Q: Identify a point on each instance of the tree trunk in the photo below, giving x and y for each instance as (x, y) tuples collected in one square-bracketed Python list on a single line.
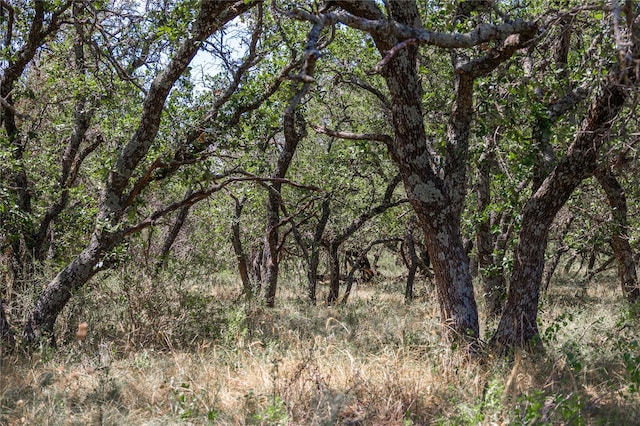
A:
[(294, 130), (334, 273), (314, 255), (438, 198), (241, 257), (172, 235), (59, 291), (7, 339), (270, 261), (518, 326), (620, 234), (412, 260), (436, 201)]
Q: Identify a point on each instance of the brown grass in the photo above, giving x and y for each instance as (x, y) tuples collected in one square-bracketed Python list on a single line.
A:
[(187, 353)]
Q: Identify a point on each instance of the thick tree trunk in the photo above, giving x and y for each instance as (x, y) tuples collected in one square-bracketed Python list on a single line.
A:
[(438, 198), (453, 281), (436, 201), (620, 234), (518, 326)]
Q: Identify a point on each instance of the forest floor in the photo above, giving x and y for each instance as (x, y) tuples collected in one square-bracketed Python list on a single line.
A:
[(186, 350)]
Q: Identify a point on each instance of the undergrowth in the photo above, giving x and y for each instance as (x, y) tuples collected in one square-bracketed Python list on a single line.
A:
[(162, 350)]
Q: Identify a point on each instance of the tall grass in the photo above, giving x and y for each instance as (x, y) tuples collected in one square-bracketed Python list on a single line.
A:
[(187, 350)]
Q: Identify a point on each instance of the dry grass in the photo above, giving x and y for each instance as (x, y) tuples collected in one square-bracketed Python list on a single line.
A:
[(164, 352)]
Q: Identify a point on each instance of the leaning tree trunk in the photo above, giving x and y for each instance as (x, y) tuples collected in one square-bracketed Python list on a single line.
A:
[(172, 235), (518, 326), (59, 291), (438, 198), (620, 238), (436, 207)]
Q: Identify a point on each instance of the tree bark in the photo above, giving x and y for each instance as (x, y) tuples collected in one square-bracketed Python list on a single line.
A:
[(56, 295), (620, 234), (437, 200), (427, 192), (294, 130), (38, 33)]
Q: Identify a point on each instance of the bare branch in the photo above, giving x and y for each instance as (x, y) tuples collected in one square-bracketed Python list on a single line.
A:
[(392, 53), (380, 137), (7, 105), (481, 34)]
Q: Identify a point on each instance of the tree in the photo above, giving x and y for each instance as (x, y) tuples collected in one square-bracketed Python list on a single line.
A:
[(437, 199), (518, 325), (114, 199)]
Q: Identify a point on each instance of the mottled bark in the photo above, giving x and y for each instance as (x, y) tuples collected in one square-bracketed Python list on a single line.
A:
[(620, 234), (426, 191), (58, 292), (518, 326)]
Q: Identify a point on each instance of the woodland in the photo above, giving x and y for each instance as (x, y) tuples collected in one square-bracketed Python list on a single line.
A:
[(197, 192)]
